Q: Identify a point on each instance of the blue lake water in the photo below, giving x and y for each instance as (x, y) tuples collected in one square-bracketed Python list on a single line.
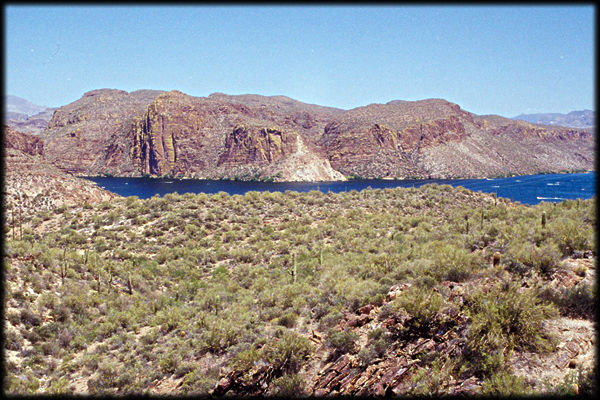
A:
[(528, 189)]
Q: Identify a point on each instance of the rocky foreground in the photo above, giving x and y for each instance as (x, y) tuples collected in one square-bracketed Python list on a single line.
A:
[(252, 137)]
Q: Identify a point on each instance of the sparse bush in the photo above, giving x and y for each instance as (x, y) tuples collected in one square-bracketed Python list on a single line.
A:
[(422, 305), (504, 383), (289, 385), (341, 341), (503, 319)]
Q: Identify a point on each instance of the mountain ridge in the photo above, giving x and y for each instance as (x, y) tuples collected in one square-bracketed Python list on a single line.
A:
[(160, 133), (575, 119)]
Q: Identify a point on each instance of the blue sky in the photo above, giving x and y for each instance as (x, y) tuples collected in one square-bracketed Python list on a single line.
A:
[(488, 59)]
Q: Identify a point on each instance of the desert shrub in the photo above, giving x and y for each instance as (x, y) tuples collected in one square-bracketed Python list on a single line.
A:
[(27, 383), (29, 318), (287, 353), (504, 383), (422, 305), (106, 378), (571, 235), (503, 318), (430, 379), (543, 259), (341, 341), (12, 340), (200, 382), (450, 262), (288, 319), (289, 385), (168, 363), (219, 336), (578, 301), (330, 318)]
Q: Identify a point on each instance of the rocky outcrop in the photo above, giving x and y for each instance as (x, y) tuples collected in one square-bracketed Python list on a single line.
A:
[(256, 137), (28, 144), (246, 145), (231, 137)]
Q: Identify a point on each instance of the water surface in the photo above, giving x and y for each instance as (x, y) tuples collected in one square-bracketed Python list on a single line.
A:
[(528, 189)]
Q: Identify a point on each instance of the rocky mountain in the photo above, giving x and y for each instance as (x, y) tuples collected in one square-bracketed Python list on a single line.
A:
[(254, 137), (32, 184), (34, 124), (18, 105), (574, 119), (24, 116)]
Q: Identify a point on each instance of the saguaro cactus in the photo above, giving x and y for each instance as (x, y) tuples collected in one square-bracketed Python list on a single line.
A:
[(129, 287), (294, 272), (543, 219)]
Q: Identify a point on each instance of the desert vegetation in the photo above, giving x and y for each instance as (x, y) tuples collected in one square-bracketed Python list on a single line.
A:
[(256, 294)]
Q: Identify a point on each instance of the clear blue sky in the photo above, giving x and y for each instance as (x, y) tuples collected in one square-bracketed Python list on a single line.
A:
[(488, 59)]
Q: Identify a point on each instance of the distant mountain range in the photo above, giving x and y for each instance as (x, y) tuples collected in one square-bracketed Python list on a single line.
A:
[(25, 116), (574, 119), (254, 137), (18, 105)]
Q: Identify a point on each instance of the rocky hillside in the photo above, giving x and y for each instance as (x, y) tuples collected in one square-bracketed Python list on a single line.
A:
[(31, 184), (278, 138), (574, 119), (429, 291), (82, 136)]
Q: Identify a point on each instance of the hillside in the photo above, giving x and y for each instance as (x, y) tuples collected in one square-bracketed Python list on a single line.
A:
[(31, 184), (254, 137), (428, 291)]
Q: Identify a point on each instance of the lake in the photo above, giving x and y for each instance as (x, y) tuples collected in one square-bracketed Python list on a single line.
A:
[(527, 189)]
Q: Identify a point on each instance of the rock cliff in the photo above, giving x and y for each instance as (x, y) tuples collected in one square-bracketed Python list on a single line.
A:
[(257, 137)]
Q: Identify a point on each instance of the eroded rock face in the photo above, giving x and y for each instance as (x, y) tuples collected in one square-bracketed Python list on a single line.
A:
[(87, 137), (256, 137), (246, 145), (220, 136), (28, 144)]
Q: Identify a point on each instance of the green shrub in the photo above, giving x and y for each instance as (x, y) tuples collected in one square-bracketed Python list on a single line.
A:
[(503, 318), (288, 320), (504, 383), (578, 301), (422, 305), (341, 341), (287, 353), (289, 385)]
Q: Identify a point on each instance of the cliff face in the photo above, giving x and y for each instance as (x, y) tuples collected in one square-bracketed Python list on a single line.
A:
[(223, 137), (259, 137), (84, 137), (28, 144), (261, 146)]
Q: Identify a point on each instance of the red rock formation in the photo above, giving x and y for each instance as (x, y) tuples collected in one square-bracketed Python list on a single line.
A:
[(258, 137), (24, 142)]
